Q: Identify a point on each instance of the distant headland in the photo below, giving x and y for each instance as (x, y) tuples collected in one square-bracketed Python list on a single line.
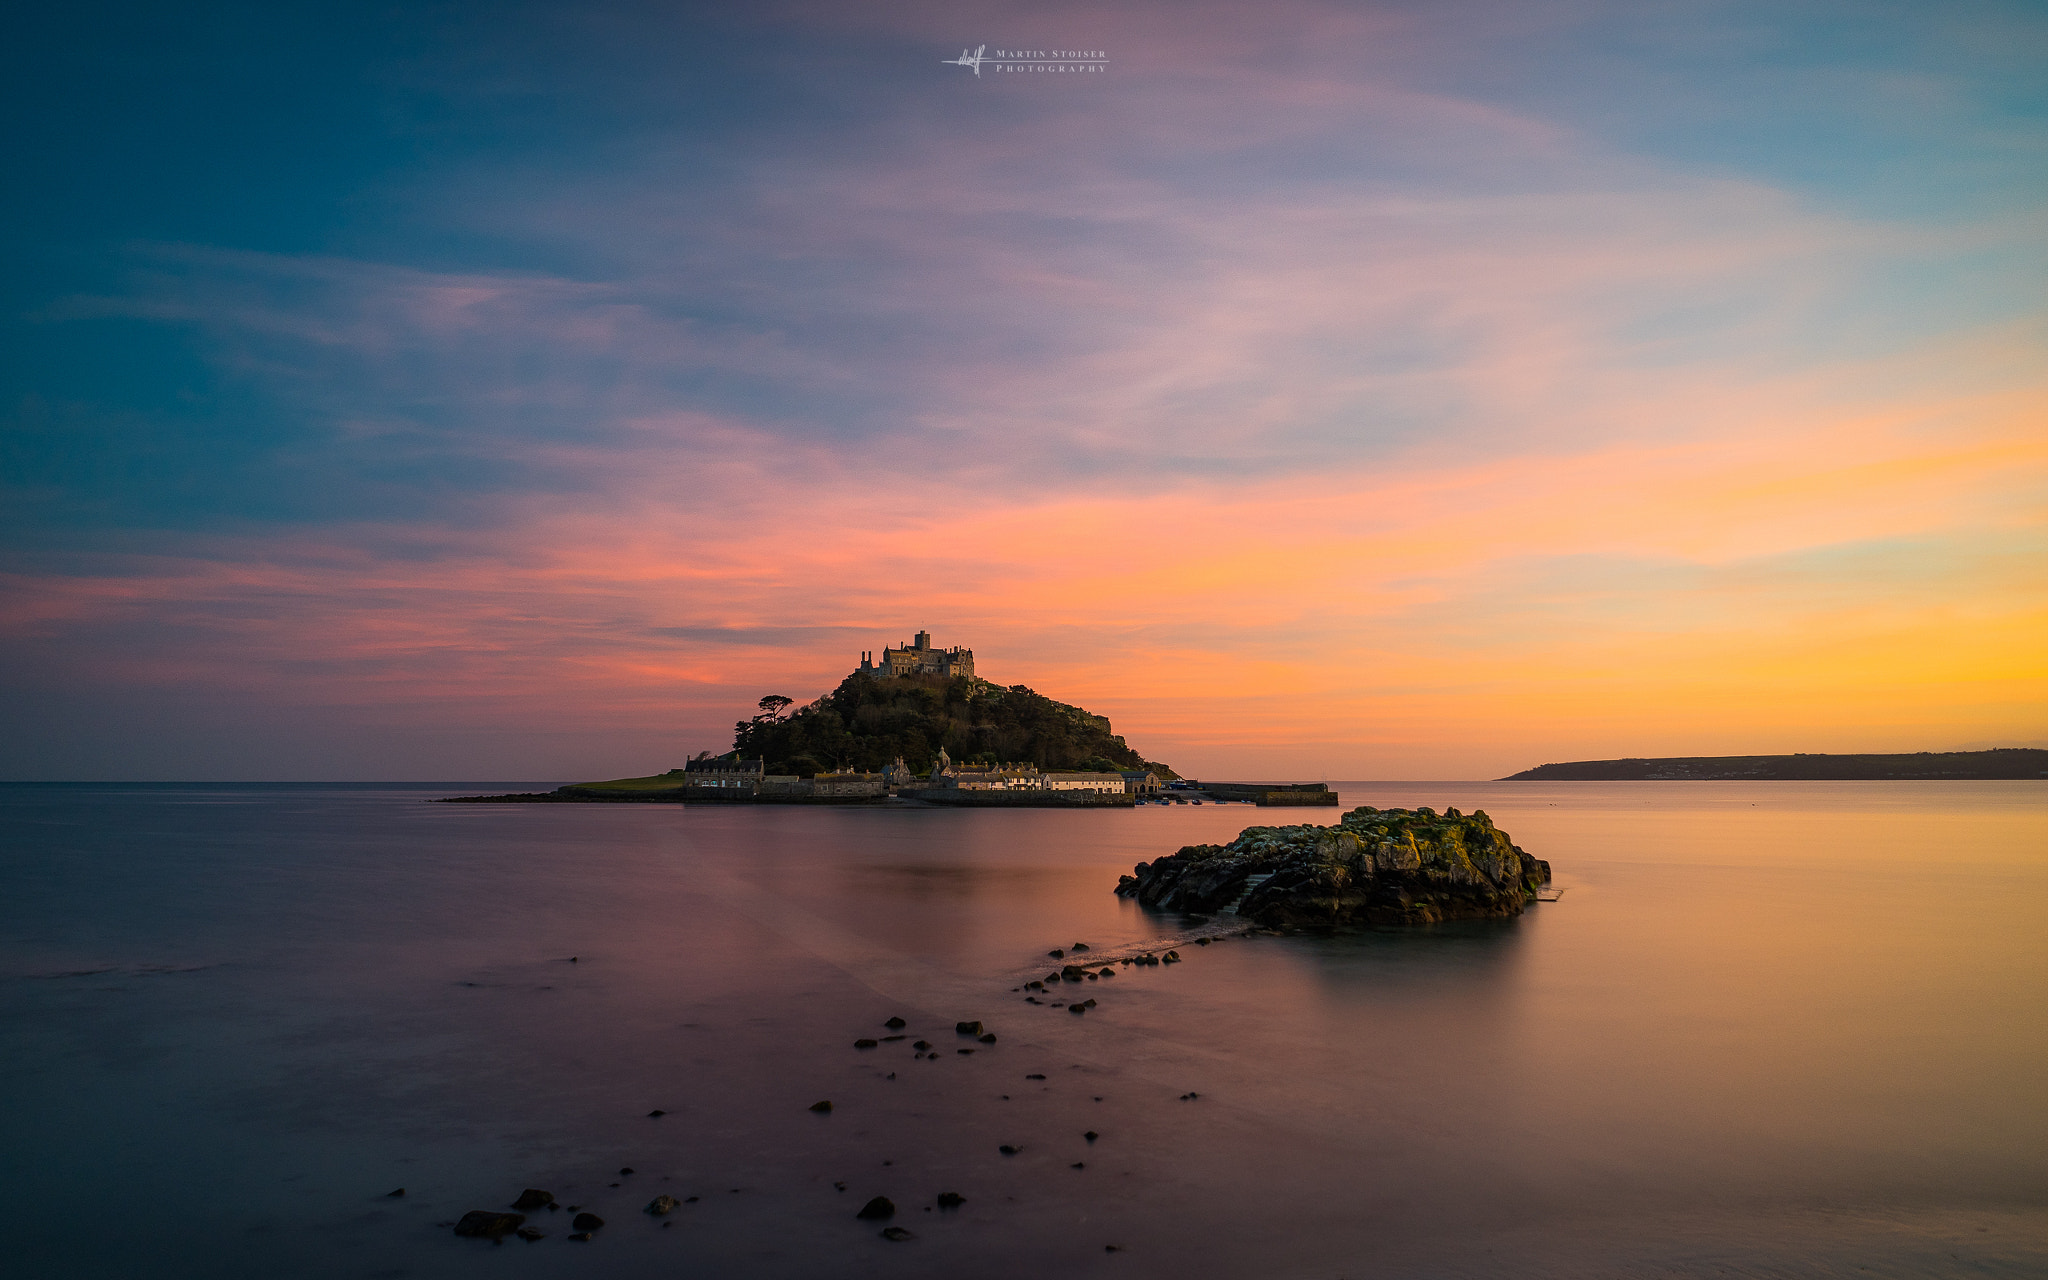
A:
[(2000, 763), (919, 726)]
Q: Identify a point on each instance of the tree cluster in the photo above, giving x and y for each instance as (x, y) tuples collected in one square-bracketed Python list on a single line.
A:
[(869, 721)]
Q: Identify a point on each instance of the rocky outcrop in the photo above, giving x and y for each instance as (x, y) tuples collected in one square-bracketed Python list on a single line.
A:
[(1375, 866)]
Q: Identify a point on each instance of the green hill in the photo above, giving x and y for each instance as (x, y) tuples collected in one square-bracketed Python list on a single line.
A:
[(869, 721)]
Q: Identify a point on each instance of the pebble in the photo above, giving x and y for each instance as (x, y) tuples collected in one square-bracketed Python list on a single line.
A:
[(878, 1209)]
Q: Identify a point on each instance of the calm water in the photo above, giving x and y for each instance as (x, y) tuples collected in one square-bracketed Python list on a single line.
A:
[(1770, 1029)]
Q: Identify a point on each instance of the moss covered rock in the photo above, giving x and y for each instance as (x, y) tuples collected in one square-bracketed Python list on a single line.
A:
[(1375, 866)]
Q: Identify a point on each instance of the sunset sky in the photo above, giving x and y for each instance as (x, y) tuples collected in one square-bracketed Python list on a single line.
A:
[(1409, 390)]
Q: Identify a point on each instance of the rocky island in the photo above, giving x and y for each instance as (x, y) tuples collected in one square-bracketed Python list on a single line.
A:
[(1375, 866)]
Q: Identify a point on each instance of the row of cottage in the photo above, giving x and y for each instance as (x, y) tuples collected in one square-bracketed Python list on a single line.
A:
[(730, 779)]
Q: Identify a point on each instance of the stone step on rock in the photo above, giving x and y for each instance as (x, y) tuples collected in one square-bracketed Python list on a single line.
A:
[(1250, 883)]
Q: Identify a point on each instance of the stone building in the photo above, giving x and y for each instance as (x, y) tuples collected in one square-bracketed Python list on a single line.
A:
[(918, 658)]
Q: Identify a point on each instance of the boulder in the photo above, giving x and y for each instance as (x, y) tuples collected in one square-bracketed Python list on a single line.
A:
[(1375, 866), (488, 1223)]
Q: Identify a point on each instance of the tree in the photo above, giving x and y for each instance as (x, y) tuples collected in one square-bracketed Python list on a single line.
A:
[(773, 707)]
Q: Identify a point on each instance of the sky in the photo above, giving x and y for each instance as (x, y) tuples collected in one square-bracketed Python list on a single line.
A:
[(1320, 390)]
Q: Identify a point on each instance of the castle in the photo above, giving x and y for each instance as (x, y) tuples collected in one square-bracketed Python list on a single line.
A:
[(918, 658)]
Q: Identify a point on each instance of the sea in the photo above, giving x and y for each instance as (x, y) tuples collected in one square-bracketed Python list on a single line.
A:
[(1766, 1029)]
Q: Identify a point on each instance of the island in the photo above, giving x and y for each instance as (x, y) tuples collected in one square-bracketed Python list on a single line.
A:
[(918, 726), (1373, 867), (1998, 763)]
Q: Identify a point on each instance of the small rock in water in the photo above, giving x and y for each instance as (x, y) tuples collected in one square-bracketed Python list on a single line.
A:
[(1091, 1135), (895, 1024), (890, 1076), (1201, 942), (897, 1233), (987, 1037), (533, 1198), (822, 1108), (393, 1195), (892, 1039), (920, 1045), (626, 1172), (1030, 999), (1107, 973), (1036, 1075), (865, 1043), (837, 1186), (968, 1028), (963, 1051), (879, 1209), (580, 1235), (1089, 1002), (693, 1199), (1052, 977), (1077, 1165), (586, 1222), (530, 1234), (662, 1206), (1009, 1150), (656, 1114), (488, 1223), (1112, 1248), (1056, 953), (1077, 1008), (951, 1200), (1079, 946)]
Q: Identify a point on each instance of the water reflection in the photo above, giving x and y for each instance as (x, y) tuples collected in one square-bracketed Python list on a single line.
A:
[(1790, 1029)]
